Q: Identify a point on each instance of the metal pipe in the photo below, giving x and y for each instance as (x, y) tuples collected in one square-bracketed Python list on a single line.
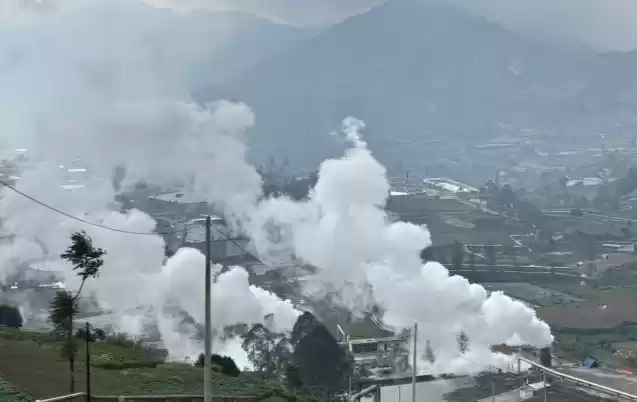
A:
[(544, 383), (579, 381), (363, 393)]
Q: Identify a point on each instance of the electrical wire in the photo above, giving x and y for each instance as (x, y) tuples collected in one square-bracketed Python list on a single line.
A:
[(98, 225), (52, 208)]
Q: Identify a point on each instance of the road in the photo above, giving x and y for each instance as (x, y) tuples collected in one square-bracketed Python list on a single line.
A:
[(604, 376)]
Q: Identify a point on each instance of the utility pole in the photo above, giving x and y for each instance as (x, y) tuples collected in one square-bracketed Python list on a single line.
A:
[(87, 335), (544, 383), (207, 369), (414, 364)]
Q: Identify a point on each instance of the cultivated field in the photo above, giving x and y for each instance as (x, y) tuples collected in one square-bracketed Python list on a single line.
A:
[(31, 362)]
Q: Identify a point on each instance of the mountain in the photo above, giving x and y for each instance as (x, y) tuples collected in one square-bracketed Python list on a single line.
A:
[(248, 39), (209, 47), (414, 73)]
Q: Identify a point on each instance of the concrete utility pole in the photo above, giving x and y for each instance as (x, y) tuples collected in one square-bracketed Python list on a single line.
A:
[(544, 383), (207, 369), (414, 363), (87, 335)]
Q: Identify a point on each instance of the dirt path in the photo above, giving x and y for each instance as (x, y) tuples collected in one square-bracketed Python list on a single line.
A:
[(34, 370)]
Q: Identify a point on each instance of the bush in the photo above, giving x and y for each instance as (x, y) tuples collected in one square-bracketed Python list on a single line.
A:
[(120, 339), (10, 316), (224, 364), (94, 334), (120, 354), (124, 365)]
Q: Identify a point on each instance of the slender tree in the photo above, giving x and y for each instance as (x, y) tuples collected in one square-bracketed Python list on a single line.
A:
[(86, 260)]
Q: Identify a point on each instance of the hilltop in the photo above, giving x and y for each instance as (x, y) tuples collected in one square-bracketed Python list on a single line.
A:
[(420, 73), (411, 71)]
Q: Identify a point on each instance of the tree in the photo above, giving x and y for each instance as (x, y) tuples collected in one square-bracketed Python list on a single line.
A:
[(224, 364), (321, 360), (293, 376), (429, 353), (86, 260), (10, 316), (458, 256), (463, 342), (303, 326), (266, 350)]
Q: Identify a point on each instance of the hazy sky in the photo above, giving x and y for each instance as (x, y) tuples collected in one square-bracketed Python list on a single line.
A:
[(603, 24)]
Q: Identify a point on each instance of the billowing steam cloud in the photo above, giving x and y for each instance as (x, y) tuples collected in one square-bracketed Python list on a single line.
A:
[(91, 85), (344, 232)]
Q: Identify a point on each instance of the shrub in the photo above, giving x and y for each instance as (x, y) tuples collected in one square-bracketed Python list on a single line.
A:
[(224, 364), (120, 339), (94, 334), (119, 354), (10, 316)]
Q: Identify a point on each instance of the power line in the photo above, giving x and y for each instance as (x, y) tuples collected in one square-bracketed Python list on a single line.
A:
[(68, 215), (52, 208), (236, 243)]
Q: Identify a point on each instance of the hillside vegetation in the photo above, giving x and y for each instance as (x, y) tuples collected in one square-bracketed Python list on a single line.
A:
[(31, 362)]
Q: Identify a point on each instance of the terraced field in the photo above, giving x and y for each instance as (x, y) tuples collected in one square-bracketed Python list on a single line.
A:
[(31, 363)]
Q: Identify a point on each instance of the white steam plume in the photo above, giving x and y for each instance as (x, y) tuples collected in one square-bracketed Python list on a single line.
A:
[(90, 86), (344, 231)]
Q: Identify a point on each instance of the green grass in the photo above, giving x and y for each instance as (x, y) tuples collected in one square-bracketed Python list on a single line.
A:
[(125, 368), (8, 394)]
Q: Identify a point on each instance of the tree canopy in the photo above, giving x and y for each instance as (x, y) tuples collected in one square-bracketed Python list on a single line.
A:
[(266, 350), (10, 316), (321, 361), (303, 326)]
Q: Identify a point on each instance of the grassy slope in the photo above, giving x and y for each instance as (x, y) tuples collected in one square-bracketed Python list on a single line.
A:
[(8, 394), (26, 356)]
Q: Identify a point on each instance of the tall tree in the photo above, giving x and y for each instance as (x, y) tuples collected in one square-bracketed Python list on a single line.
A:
[(463, 342), (293, 376), (303, 326), (321, 360), (429, 353), (266, 350), (86, 260)]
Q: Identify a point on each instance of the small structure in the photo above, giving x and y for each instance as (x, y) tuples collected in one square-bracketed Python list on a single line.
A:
[(374, 346), (589, 362), (528, 391)]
